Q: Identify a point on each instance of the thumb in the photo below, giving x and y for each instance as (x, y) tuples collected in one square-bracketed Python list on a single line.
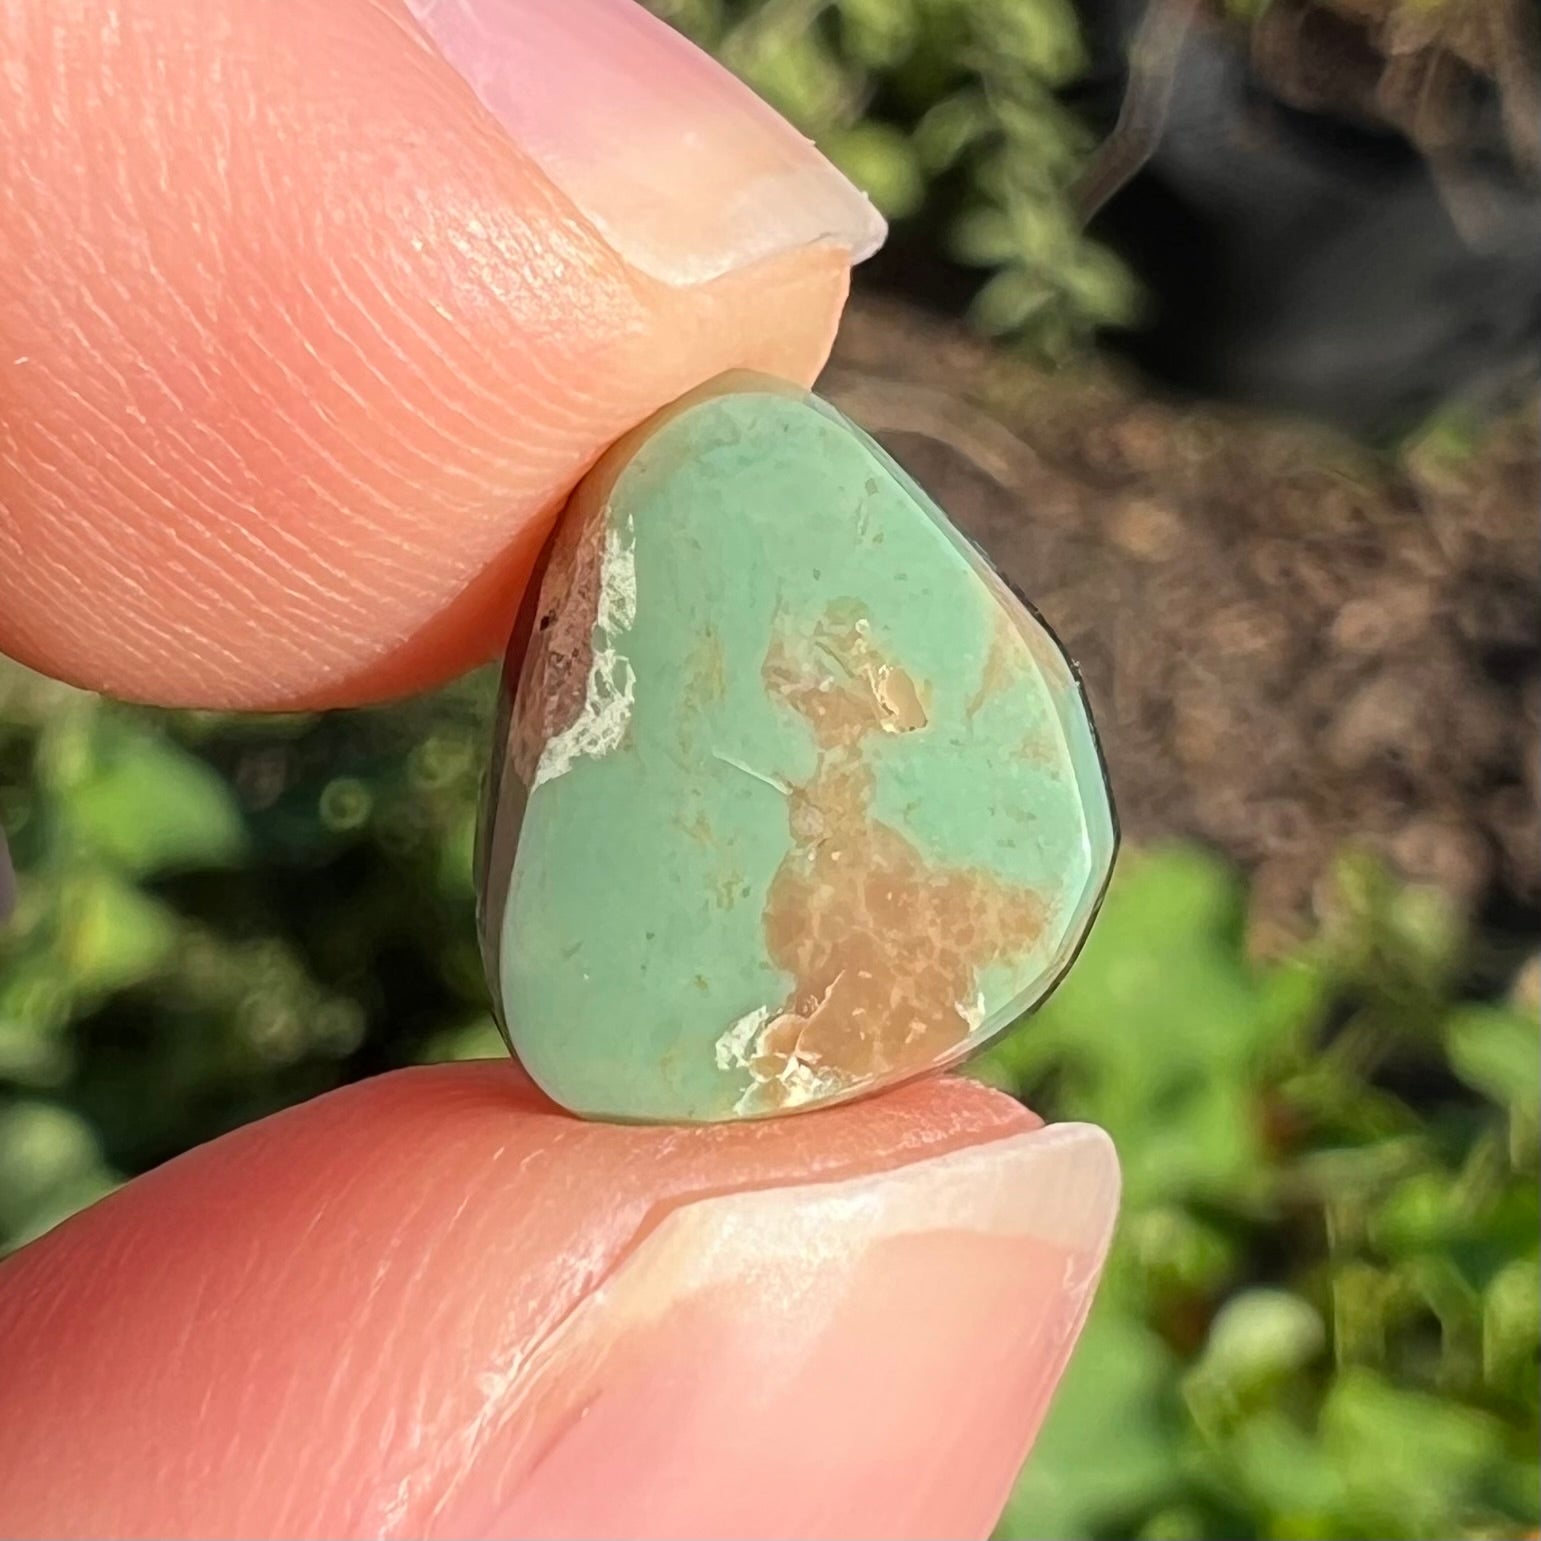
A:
[(431, 1305), (312, 315)]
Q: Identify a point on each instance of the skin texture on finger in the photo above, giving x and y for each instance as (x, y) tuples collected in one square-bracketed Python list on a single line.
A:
[(432, 1305), (300, 349)]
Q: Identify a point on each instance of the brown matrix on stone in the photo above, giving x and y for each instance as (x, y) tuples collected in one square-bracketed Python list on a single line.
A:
[(884, 946)]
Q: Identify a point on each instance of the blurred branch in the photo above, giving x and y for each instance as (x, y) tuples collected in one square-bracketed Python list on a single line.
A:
[(1153, 60)]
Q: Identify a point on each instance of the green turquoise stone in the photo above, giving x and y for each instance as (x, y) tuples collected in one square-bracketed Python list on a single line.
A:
[(793, 799)]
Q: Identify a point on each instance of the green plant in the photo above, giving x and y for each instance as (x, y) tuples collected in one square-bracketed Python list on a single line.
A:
[(946, 112), (219, 915), (1320, 1317)]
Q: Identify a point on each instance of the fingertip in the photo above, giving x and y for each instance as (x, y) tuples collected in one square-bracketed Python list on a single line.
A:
[(412, 1298), (768, 1363), (286, 418)]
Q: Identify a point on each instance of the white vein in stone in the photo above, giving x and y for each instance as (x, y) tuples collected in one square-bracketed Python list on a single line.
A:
[(612, 683)]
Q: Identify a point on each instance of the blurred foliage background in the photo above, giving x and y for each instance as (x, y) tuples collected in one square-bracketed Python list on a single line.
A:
[(1321, 1315), (947, 112)]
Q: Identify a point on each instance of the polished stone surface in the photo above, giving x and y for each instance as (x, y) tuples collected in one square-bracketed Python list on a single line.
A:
[(793, 799)]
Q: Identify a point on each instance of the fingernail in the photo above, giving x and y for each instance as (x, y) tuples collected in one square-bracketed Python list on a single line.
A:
[(866, 1357), (681, 167)]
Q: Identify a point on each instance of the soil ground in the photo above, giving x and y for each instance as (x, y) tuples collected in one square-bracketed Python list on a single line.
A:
[(1291, 645)]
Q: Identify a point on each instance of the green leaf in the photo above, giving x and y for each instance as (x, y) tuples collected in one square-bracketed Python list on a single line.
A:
[(1498, 1053), (478, 1039), (1163, 1033), (43, 1148), (1417, 1461), (882, 162), (1112, 1441), (116, 936), (146, 805), (1260, 1334)]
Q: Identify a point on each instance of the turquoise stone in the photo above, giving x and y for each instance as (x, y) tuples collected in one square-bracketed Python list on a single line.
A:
[(792, 798)]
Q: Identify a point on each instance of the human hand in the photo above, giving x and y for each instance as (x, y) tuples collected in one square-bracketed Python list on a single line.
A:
[(303, 342)]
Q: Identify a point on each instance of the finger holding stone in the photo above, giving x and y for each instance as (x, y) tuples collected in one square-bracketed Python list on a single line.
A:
[(310, 317), (431, 1305)]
